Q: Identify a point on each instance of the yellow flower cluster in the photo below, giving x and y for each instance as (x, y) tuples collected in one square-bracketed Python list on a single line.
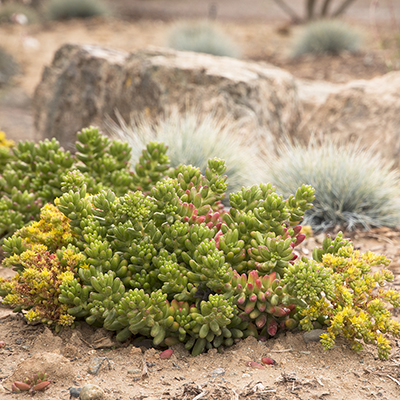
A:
[(36, 287), (52, 230), (356, 309), (4, 142)]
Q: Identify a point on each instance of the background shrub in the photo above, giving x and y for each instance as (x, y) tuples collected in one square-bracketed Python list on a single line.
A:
[(8, 67), (68, 9), (354, 187), (9, 10), (327, 36), (193, 139), (201, 37)]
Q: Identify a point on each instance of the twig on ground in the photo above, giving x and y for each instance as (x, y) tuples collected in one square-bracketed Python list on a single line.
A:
[(145, 372), (393, 379), (199, 396), (281, 351)]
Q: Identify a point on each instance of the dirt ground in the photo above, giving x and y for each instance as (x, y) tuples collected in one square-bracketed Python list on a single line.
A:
[(134, 371)]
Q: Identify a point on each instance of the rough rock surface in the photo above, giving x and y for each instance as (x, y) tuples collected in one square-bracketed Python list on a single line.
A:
[(84, 84), (368, 111)]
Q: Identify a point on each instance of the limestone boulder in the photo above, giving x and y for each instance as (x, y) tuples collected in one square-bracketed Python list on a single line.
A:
[(84, 84), (363, 110)]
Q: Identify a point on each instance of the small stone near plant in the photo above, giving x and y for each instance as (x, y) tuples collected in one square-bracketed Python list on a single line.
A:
[(91, 392), (313, 336), (74, 392)]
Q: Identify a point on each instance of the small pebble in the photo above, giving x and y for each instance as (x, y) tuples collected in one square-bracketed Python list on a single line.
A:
[(74, 392), (134, 371), (95, 365), (313, 336), (91, 392), (218, 372)]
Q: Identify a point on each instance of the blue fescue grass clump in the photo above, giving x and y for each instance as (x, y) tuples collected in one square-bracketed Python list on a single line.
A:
[(193, 138), (202, 37), (354, 187), (327, 37), (8, 67), (69, 9)]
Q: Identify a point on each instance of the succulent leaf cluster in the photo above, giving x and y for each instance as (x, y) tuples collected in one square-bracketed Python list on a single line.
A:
[(35, 383), (264, 302)]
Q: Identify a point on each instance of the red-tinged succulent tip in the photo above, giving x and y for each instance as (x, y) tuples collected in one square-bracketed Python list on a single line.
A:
[(268, 361), (254, 364), (300, 238), (166, 354), (272, 327), (14, 388), (297, 229), (40, 386), (261, 321), (2, 344), (22, 385)]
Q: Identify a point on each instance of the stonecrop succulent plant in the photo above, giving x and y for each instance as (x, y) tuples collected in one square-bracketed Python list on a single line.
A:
[(35, 173), (342, 294), (160, 261), (167, 261)]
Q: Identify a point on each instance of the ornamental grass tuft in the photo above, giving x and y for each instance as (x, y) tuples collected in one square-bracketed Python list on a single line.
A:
[(69, 9), (354, 187), (327, 37), (20, 13), (202, 37), (193, 138)]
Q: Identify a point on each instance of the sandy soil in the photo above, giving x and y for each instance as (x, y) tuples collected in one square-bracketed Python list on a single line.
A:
[(77, 357)]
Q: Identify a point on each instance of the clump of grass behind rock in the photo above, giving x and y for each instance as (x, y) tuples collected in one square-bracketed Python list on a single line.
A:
[(354, 187), (8, 67), (193, 138), (70, 9), (202, 37), (327, 37)]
